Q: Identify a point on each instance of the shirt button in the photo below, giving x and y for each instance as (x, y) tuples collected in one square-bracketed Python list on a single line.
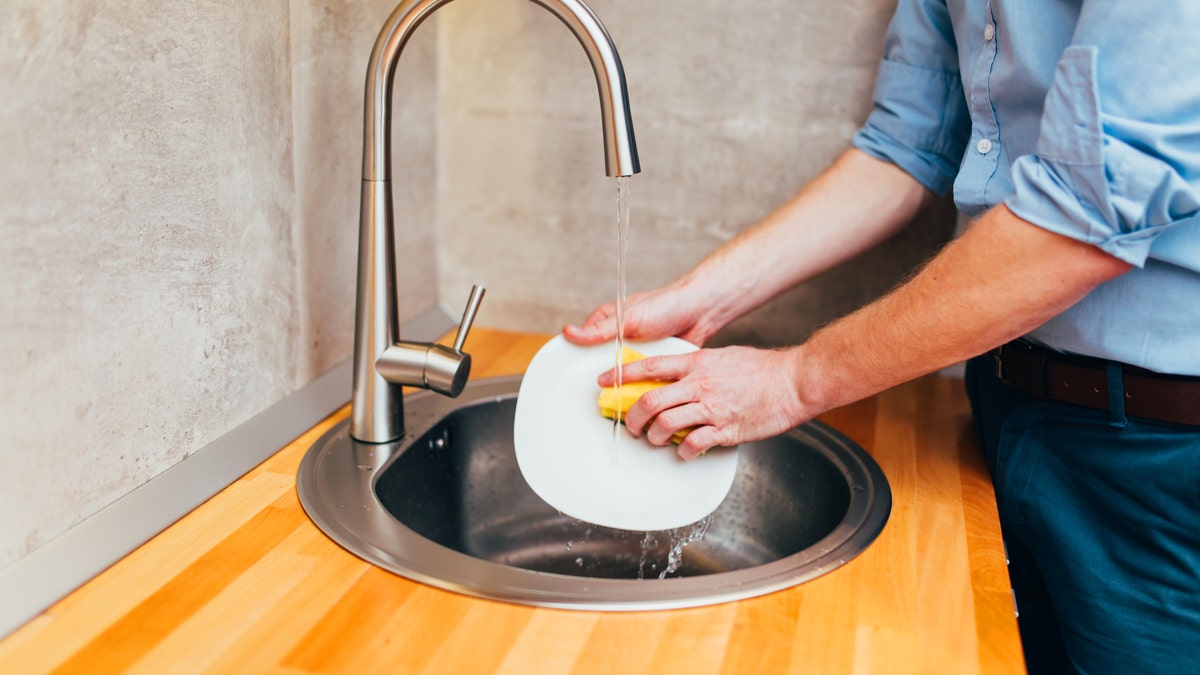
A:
[(984, 146), (989, 32)]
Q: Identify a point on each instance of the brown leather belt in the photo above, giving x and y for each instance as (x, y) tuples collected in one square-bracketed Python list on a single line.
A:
[(1045, 374)]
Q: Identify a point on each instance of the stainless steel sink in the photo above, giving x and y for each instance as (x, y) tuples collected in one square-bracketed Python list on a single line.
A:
[(446, 505)]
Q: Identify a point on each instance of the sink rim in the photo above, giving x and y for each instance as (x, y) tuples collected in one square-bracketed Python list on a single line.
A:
[(349, 513)]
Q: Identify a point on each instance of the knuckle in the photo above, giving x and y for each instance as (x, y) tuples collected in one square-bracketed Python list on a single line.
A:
[(666, 416), (634, 420), (691, 448), (651, 399), (657, 436), (650, 367)]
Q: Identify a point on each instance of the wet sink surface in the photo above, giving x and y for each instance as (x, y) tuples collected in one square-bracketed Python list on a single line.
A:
[(447, 506)]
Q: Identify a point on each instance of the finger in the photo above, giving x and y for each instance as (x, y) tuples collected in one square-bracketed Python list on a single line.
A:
[(649, 369), (698, 442), (665, 425), (585, 336), (656, 402), (599, 326), (601, 314)]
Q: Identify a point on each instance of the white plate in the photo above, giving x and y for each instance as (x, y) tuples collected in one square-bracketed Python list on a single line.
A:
[(566, 451)]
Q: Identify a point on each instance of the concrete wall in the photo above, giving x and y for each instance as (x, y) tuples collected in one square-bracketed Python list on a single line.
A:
[(736, 105), (178, 216)]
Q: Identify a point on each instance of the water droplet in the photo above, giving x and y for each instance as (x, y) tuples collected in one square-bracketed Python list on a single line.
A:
[(579, 562)]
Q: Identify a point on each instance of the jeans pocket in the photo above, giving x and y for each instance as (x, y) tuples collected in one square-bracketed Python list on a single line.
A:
[(1020, 449)]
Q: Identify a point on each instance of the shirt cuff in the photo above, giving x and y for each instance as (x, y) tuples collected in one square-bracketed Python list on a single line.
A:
[(1046, 195), (1094, 187), (919, 123)]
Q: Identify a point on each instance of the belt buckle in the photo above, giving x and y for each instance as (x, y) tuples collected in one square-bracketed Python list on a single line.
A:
[(998, 357), (999, 354)]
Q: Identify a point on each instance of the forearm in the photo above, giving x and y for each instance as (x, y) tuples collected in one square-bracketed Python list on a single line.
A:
[(853, 206), (1001, 279)]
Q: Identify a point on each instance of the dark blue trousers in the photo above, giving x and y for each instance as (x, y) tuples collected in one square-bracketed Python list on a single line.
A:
[(1101, 521)]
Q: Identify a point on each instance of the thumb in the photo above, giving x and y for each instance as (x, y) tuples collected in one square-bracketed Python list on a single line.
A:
[(599, 326), (589, 333)]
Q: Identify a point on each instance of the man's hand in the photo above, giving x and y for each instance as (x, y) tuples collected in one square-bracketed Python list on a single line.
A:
[(728, 396), (664, 312)]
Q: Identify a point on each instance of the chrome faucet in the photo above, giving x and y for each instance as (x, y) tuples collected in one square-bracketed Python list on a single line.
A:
[(383, 364)]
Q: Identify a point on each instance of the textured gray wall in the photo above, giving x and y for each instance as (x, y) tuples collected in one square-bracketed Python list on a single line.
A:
[(736, 105), (178, 217)]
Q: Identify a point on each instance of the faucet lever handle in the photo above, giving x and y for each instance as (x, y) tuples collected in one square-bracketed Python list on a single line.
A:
[(468, 317)]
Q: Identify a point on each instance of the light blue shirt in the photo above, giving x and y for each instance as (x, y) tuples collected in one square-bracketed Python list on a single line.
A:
[(1083, 117)]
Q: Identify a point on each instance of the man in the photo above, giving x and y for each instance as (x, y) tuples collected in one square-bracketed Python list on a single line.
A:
[(1070, 131)]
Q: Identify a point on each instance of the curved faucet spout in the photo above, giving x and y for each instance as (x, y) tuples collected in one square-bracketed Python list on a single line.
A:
[(382, 364), (620, 148)]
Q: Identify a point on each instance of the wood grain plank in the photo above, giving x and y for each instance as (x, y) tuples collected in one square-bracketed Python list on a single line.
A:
[(550, 642), (694, 640), (995, 612), (329, 646), (891, 592), (260, 647), (621, 643), (825, 626), (15, 643), (946, 604), (209, 632), (406, 641), (480, 642), (87, 613), (856, 421), (760, 640), (131, 636)]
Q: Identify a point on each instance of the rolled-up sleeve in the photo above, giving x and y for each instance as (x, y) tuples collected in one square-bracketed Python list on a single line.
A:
[(919, 121), (1117, 161)]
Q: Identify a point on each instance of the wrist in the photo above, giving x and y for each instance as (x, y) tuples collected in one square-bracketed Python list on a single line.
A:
[(813, 383), (712, 300)]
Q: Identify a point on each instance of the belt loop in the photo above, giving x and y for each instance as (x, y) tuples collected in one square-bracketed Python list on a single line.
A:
[(1116, 395)]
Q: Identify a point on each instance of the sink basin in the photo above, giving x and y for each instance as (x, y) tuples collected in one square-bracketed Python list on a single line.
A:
[(447, 506)]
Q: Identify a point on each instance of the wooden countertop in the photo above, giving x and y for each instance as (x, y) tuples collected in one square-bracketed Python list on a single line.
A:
[(247, 584)]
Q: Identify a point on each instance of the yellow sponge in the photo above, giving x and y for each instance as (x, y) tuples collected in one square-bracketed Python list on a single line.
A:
[(613, 406)]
